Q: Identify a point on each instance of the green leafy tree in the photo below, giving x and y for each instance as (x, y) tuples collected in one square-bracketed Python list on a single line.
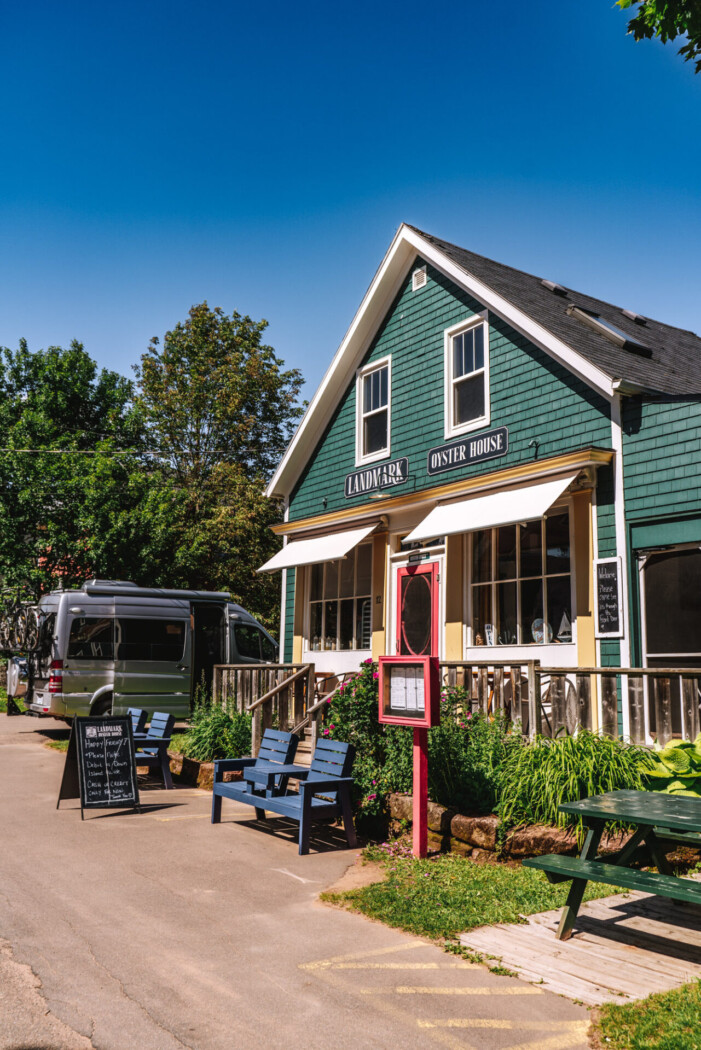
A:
[(221, 409), (62, 421), (668, 19)]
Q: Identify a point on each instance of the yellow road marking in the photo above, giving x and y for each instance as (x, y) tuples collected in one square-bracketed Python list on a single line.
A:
[(526, 989), (327, 964), (406, 966)]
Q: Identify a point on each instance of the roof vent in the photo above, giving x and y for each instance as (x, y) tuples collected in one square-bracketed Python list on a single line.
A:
[(553, 287), (418, 279), (632, 316)]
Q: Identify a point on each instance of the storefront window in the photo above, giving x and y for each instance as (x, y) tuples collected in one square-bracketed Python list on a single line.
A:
[(521, 584), (340, 605)]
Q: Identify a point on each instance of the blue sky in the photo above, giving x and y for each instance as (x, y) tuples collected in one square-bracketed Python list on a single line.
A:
[(262, 157)]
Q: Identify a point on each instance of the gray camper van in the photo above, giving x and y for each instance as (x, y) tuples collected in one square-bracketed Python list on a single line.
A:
[(113, 645)]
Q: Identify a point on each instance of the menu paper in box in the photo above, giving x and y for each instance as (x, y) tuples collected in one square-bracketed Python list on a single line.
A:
[(407, 690)]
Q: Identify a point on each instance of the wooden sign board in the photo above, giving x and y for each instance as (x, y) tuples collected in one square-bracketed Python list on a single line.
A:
[(100, 768), (409, 690), (607, 597)]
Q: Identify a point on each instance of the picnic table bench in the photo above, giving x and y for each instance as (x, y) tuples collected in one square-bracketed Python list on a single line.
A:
[(324, 790), (657, 817)]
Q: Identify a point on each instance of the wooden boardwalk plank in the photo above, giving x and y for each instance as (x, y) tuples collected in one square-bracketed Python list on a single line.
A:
[(626, 946)]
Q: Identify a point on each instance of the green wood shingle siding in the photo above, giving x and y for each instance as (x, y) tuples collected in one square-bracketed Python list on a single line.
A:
[(289, 617), (661, 458), (534, 396)]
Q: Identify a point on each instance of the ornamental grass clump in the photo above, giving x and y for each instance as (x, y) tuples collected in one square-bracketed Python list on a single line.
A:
[(675, 769), (217, 733), (538, 777)]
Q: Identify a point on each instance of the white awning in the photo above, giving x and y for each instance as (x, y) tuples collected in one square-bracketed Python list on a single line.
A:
[(320, 548), (495, 508)]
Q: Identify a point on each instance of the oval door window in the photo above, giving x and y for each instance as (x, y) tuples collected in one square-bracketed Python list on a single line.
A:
[(416, 615)]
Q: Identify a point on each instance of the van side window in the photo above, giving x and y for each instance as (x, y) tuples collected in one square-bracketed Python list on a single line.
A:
[(91, 638), (268, 648), (247, 640), (159, 640)]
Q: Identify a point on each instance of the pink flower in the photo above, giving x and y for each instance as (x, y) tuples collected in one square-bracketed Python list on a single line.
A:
[(368, 661), (329, 700), (374, 782), (369, 798), (375, 674), (332, 726)]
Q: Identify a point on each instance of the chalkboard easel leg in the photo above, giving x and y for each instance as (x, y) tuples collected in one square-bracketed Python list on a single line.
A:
[(82, 812)]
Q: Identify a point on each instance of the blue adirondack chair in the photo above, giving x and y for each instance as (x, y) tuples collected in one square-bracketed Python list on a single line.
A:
[(152, 747), (324, 792), (261, 776), (139, 718)]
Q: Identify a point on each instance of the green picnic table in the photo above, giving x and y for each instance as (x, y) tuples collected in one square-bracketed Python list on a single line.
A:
[(657, 818)]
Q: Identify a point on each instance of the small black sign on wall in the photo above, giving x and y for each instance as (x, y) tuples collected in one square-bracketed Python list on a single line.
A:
[(100, 769), (607, 595)]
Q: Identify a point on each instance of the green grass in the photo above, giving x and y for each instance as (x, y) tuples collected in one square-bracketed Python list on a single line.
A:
[(445, 896), (58, 745), (666, 1021)]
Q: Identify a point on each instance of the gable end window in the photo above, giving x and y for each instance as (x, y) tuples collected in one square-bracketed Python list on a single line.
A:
[(373, 412), (466, 377)]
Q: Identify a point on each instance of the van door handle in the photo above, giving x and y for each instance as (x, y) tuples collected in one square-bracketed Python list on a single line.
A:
[(183, 667)]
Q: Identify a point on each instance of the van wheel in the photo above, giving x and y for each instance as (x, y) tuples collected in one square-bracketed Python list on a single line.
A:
[(103, 707)]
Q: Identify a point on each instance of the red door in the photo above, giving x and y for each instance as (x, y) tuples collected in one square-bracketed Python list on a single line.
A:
[(417, 610)]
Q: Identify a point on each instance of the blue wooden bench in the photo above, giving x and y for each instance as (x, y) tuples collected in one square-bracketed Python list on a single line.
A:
[(324, 791), (152, 747), (261, 774)]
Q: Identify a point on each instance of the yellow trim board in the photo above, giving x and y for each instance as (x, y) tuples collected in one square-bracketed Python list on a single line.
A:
[(582, 458)]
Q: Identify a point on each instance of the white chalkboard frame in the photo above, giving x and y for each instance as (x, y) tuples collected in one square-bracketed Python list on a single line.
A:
[(620, 633)]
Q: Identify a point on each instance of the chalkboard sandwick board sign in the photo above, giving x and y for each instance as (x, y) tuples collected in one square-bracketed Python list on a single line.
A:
[(100, 768), (607, 593)]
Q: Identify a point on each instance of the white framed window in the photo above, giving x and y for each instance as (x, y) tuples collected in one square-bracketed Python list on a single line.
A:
[(466, 376), (340, 603), (373, 398), (520, 583)]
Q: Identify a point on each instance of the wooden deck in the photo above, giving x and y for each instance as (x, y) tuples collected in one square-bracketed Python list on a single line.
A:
[(624, 947)]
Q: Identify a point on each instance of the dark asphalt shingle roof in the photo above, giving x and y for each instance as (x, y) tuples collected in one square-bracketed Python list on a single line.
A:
[(675, 365)]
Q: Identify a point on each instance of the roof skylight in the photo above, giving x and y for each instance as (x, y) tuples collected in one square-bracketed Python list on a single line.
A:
[(607, 328)]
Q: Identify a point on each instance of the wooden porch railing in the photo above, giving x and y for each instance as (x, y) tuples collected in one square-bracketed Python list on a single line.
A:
[(652, 703), (274, 694)]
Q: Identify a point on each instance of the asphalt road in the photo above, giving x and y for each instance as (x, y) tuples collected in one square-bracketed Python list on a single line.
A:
[(158, 931)]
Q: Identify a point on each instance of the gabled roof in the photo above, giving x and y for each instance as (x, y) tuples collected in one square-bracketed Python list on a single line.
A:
[(670, 365), (673, 368)]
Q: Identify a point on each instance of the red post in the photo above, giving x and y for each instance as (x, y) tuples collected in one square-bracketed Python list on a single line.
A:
[(420, 804)]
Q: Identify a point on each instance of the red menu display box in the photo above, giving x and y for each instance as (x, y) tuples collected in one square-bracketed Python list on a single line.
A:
[(410, 690)]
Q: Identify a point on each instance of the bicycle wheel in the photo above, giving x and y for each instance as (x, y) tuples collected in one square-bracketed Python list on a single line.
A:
[(19, 629), (31, 640), (5, 631)]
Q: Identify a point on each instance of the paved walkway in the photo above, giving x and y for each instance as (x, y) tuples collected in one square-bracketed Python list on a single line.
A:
[(158, 931)]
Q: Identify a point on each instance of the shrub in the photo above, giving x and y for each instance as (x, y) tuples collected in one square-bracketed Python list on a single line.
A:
[(675, 769), (465, 751), (217, 733), (536, 778)]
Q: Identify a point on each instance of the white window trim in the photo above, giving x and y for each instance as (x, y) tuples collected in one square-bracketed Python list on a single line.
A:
[(383, 453), (452, 429), (523, 650), (307, 621)]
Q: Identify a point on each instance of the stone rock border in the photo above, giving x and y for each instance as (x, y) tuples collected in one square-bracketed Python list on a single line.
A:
[(189, 771), (476, 837)]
